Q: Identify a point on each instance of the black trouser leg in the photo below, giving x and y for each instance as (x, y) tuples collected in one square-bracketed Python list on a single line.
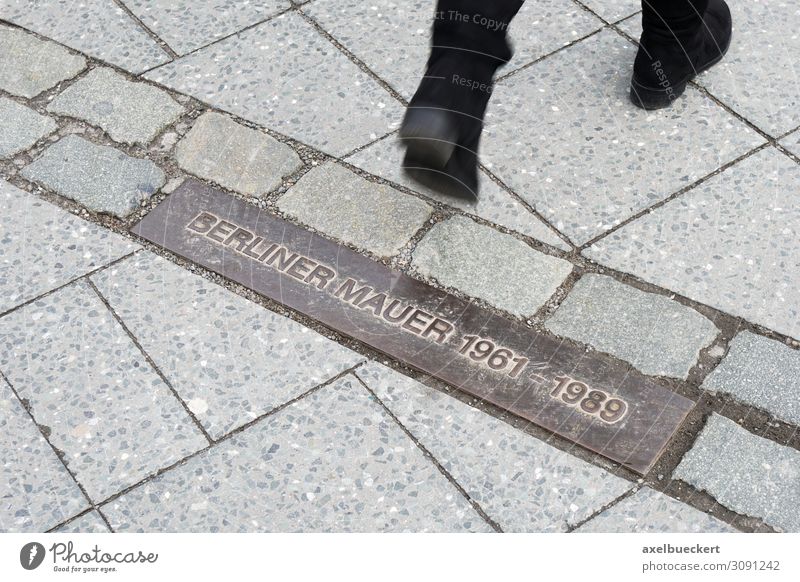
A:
[(444, 121)]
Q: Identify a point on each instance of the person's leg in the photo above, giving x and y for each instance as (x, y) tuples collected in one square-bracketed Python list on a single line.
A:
[(680, 39), (444, 120)]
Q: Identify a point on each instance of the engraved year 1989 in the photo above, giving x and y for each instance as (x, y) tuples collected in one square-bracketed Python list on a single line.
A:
[(594, 402)]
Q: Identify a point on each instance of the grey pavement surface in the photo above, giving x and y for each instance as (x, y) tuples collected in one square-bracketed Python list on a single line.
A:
[(24, 128), (657, 335), (369, 216), (236, 157), (31, 65), (228, 359), (749, 474), (763, 373), (100, 177), (649, 511), (130, 364), (128, 112), (473, 258)]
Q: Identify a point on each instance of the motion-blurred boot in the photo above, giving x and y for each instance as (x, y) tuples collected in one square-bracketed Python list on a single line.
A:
[(442, 127)]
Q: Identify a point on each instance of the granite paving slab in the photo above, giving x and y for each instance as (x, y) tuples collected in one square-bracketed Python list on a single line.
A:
[(521, 482), (613, 10), (88, 523), (98, 28), (333, 461), (129, 112), (746, 473), (399, 41), (730, 243), (43, 247), (285, 76), (481, 262), (759, 77), (110, 413), (385, 159), (30, 65), (761, 372), (234, 156), (587, 158), (186, 25), (37, 491), (657, 335), (101, 178), (792, 143), (370, 216), (229, 359), (21, 127), (649, 511)]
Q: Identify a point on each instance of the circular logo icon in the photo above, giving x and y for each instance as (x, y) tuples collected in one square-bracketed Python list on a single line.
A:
[(31, 555)]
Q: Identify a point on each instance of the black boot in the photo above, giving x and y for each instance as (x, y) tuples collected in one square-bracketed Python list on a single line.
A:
[(444, 120), (680, 40)]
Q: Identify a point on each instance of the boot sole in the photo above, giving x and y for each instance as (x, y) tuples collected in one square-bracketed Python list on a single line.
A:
[(650, 99), (429, 137)]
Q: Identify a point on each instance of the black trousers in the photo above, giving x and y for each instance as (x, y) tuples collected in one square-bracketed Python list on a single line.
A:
[(478, 28)]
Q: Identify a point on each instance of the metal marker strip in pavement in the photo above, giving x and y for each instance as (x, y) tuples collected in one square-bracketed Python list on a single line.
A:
[(600, 404)]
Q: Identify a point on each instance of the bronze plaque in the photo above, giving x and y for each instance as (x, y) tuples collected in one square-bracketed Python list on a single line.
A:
[(602, 405)]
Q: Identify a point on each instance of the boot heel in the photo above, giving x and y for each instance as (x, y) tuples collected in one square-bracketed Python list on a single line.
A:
[(649, 99), (430, 136)]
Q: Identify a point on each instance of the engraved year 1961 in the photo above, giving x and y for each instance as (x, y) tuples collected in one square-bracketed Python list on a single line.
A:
[(594, 402), (497, 358)]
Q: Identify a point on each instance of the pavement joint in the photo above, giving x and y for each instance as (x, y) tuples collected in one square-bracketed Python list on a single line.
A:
[(164, 46), (149, 360), (475, 505)]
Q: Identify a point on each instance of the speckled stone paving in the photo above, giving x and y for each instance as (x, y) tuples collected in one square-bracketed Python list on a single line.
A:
[(740, 228), (37, 491), (21, 127), (285, 75), (587, 158), (101, 178), (129, 112), (399, 40), (385, 159), (472, 258), (229, 359), (613, 10), (30, 65), (186, 25), (88, 523), (657, 335), (113, 417), (761, 372), (334, 461), (746, 473), (522, 483), (369, 216), (648, 511), (98, 28), (792, 143), (43, 247), (234, 156)]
